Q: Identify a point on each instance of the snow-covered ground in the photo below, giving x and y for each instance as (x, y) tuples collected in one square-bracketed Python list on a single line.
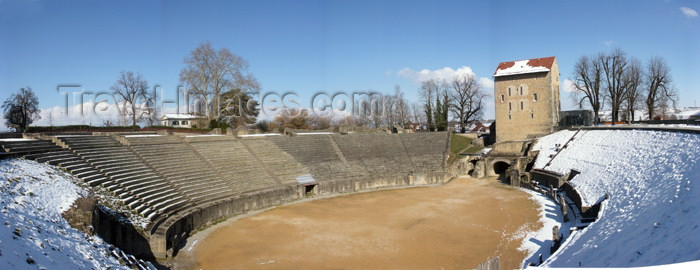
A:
[(33, 234), (538, 242), (653, 179)]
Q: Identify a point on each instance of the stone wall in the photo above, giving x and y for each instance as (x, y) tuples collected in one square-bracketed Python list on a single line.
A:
[(509, 148), (178, 228), (547, 178), (114, 231), (519, 115)]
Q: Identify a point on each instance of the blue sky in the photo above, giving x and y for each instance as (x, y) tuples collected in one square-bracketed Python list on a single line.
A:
[(331, 46)]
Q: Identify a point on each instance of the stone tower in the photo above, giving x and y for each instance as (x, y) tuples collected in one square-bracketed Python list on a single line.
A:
[(527, 98)]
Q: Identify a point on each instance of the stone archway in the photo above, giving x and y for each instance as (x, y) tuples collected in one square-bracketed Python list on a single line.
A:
[(500, 167)]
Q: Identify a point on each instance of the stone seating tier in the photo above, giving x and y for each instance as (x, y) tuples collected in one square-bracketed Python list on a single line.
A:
[(307, 149), (278, 162), (136, 183), (29, 146), (180, 165), (235, 164), (160, 177)]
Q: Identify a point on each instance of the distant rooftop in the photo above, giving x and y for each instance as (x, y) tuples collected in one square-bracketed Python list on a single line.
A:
[(524, 66)]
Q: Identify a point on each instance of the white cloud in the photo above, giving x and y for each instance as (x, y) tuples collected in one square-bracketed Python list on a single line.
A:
[(689, 12), (486, 83), (90, 115), (446, 73), (443, 74), (608, 42)]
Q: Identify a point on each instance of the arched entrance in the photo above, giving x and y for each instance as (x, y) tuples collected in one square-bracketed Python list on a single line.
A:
[(500, 167)]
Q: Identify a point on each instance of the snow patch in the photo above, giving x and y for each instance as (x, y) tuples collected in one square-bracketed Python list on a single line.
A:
[(316, 133), (538, 242), (520, 67), (33, 234), (142, 135), (653, 178), (16, 140), (260, 135)]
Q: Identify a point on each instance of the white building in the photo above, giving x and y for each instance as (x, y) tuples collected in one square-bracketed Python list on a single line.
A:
[(179, 120)]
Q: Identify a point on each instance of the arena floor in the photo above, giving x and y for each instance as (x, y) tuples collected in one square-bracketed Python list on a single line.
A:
[(453, 226)]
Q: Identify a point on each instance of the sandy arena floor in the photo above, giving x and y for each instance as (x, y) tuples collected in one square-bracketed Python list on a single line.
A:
[(453, 226)]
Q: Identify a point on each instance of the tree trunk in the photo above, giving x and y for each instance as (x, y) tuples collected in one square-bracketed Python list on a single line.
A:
[(133, 114), (596, 117)]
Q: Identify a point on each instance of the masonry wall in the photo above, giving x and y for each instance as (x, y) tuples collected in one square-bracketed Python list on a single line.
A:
[(183, 225), (531, 107)]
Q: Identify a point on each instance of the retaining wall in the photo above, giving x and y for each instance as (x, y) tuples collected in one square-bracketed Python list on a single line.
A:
[(114, 231), (178, 228)]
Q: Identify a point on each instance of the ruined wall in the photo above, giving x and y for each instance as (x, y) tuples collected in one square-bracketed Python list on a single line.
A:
[(115, 232)]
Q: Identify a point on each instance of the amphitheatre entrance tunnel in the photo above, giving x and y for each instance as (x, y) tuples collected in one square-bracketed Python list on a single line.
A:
[(500, 167)]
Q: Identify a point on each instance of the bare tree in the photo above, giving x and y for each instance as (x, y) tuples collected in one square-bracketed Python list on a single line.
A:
[(388, 115), (361, 111), (293, 118), (614, 67), (633, 81), (371, 111), (209, 72), (418, 114), (428, 91), (402, 110), (151, 110), (131, 88), (21, 109), (467, 99), (659, 88), (588, 75)]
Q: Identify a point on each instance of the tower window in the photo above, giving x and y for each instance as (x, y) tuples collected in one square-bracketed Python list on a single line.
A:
[(508, 91), (534, 97), (522, 106), (503, 98), (509, 117), (521, 90), (510, 106)]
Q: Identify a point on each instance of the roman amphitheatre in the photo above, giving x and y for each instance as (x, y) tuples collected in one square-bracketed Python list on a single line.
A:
[(303, 200)]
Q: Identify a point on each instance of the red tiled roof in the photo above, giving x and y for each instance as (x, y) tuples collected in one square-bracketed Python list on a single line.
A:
[(545, 62)]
